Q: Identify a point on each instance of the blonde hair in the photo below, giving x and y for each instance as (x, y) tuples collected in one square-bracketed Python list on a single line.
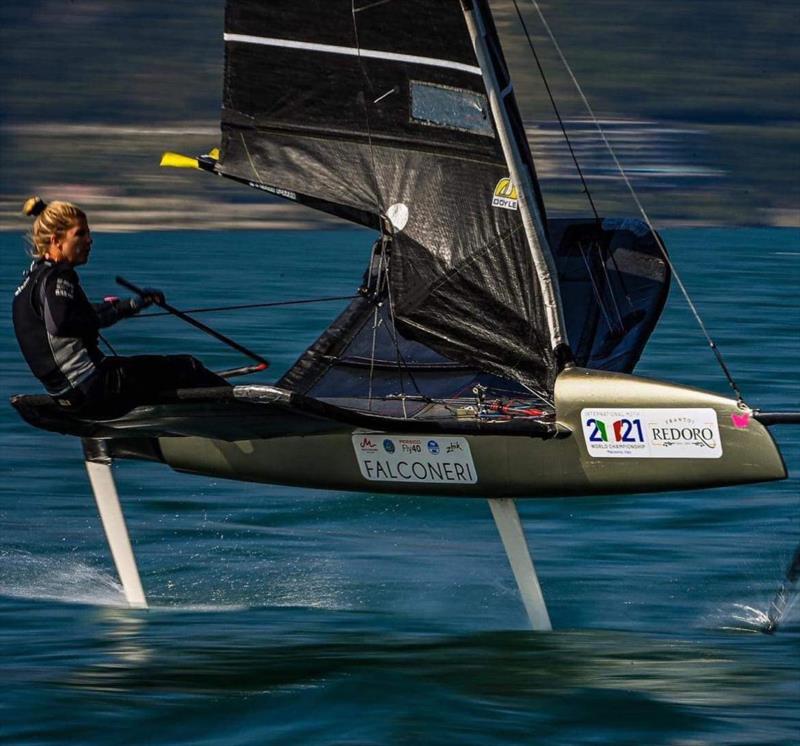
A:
[(53, 219)]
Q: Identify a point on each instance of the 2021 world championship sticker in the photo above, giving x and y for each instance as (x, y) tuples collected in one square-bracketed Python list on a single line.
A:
[(651, 433)]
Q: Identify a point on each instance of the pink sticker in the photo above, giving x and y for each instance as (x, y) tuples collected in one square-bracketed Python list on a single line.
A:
[(741, 420)]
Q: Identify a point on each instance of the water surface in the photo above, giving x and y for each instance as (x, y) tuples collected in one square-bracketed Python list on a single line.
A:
[(283, 615)]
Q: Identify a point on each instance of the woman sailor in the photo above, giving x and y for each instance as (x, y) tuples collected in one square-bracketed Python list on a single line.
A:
[(58, 328)]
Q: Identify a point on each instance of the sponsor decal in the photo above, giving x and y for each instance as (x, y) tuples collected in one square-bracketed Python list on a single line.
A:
[(415, 460), (64, 288), (285, 193), (651, 433), (505, 195)]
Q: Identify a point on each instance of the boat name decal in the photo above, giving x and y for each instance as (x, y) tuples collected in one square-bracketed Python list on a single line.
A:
[(651, 433), (439, 460), (505, 195)]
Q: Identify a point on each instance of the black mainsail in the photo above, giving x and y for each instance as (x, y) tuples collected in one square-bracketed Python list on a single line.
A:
[(378, 111), (400, 115)]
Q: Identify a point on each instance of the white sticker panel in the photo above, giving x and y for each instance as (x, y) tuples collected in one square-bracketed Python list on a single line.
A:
[(651, 433), (424, 459)]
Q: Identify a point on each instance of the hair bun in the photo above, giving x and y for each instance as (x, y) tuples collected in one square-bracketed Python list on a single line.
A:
[(34, 206)]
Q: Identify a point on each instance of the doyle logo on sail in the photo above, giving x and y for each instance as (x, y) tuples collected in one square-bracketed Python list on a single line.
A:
[(505, 195)]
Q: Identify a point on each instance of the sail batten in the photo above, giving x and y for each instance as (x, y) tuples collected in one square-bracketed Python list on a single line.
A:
[(352, 52)]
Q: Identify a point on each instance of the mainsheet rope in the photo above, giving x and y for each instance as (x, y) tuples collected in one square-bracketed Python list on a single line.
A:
[(638, 203), (273, 304)]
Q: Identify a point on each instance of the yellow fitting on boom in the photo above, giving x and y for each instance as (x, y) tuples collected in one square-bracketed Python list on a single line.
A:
[(176, 160)]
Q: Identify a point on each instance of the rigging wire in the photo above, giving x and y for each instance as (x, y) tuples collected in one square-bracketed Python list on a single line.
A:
[(379, 276), (373, 173), (637, 201), (383, 266), (402, 363), (375, 324), (572, 152), (557, 113), (250, 158), (367, 84), (382, 284), (597, 294), (604, 265), (108, 344), (273, 304), (620, 278)]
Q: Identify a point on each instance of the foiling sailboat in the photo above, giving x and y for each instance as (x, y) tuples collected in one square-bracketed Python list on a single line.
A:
[(489, 350)]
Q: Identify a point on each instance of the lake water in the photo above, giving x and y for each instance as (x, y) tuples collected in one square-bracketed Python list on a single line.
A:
[(290, 616)]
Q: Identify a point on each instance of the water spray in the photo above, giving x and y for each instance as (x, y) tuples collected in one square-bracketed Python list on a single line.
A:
[(788, 588)]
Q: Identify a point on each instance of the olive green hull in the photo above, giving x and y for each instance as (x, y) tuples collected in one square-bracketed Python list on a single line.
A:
[(513, 466)]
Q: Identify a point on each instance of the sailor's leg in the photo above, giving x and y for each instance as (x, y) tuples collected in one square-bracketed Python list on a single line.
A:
[(508, 524), (98, 464)]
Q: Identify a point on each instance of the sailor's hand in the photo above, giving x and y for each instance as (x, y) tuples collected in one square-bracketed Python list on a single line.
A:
[(152, 295), (148, 297)]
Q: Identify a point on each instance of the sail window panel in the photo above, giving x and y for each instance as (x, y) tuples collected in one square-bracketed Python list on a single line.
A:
[(455, 108)]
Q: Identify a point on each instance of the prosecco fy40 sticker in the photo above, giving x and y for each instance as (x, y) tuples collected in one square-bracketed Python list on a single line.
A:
[(651, 433), (434, 460)]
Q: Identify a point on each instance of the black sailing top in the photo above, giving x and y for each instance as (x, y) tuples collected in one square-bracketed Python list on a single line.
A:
[(58, 328)]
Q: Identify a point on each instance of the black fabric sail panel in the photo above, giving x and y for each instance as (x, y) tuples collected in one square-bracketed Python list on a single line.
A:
[(314, 65), (380, 108), (463, 276), (311, 84)]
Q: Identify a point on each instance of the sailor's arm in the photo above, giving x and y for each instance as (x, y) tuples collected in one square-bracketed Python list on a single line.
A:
[(112, 310)]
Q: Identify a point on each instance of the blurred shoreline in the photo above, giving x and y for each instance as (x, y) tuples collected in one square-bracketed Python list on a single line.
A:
[(698, 99), (112, 171)]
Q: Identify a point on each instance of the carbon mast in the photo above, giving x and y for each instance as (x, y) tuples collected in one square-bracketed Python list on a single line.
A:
[(521, 178)]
